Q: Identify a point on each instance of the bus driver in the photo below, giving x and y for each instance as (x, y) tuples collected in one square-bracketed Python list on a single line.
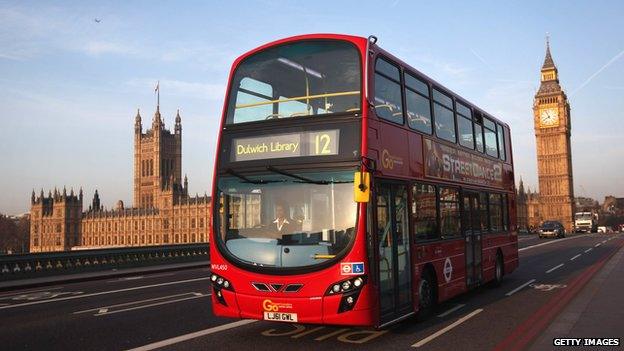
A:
[(282, 223)]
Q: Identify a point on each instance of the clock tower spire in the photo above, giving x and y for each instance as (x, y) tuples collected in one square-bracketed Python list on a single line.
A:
[(551, 115)]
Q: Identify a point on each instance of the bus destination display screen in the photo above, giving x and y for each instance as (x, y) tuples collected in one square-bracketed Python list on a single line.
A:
[(312, 143)]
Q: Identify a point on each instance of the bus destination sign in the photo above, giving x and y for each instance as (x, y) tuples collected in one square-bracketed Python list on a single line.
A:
[(312, 143)]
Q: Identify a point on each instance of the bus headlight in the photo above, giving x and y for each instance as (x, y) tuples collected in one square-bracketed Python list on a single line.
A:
[(219, 283), (346, 285)]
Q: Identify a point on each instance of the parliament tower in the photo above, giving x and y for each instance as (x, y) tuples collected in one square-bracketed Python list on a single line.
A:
[(551, 111)]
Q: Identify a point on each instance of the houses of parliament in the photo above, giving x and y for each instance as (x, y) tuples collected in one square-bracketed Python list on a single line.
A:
[(163, 212), (553, 127)]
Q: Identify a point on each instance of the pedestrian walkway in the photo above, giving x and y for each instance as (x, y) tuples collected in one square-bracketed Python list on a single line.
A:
[(596, 312)]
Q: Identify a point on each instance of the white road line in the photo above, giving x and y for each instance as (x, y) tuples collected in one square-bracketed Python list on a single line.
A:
[(106, 312), (550, 242), (148, 276), (136, 302), (447, 328), (554, 268), (519, 288), (597, 244), (441, 315), (588, 250), (194, 335), (104, 293), (604, 241), (575, 257)]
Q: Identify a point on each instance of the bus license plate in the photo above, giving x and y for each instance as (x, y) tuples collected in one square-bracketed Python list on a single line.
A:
[(280, 317)]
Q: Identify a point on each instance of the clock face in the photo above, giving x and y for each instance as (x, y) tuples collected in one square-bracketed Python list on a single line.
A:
[(549, 117)]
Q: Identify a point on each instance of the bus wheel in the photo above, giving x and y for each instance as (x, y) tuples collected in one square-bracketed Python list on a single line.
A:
[(499, 270), (426, 296)]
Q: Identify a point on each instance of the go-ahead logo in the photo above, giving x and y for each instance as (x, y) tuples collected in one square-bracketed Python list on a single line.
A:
[(271, 306), (388, 161)]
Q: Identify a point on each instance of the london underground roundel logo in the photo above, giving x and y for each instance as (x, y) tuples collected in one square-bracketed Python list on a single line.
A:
[(346, 268), (448, 270)]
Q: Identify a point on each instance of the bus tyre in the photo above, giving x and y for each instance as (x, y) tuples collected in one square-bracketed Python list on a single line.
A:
[(426, 296), (499, 270)]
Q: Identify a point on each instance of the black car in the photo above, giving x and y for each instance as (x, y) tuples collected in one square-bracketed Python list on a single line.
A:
[(551, 228)]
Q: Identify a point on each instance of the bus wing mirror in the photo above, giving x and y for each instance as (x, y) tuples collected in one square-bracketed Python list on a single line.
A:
[(361, 186)]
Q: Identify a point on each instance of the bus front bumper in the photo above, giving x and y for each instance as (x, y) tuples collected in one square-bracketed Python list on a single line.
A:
[(310, 310)]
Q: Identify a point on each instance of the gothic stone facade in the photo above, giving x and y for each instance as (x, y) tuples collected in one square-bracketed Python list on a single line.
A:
[(554, 157), (528, 209), (163, 211)]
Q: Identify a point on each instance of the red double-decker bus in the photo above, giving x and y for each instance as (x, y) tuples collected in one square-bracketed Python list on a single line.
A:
[(350, 188)]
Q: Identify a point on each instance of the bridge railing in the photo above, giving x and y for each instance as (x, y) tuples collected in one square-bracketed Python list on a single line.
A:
[(24, 266)]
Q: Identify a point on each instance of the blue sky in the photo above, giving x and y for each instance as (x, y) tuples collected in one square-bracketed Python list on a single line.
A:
[(70, 87)]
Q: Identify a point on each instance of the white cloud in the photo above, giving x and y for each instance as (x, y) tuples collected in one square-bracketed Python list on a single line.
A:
[(96, 48)]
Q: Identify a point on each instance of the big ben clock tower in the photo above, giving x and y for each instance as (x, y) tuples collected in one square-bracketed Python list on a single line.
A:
[(551, 112)]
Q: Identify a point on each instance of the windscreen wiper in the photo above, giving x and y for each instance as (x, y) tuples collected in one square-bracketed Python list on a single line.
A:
[(248, 180), (303, 179)]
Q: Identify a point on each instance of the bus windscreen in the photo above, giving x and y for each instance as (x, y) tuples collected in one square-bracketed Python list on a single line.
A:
[(286, 219)]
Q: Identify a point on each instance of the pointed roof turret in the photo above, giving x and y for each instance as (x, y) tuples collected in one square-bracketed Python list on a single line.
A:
[(548, 61), (178, 119), (137, 119)]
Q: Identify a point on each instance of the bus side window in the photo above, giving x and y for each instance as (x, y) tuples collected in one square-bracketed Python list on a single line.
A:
[(496, 217), (501, 142), (491, 144), (424, 212), (388, 100), (444, 116), (478, 127), (450, 219)]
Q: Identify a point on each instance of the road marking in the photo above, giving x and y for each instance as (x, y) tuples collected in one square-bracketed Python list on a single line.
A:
[(102, 310), (597, 244), (327, 336), (138, 302), (19, 293), (550, 242), (447, 328), (519, 288), (150, 305), (554, 268), (441, 315), (148, 276), (547, 287), (575, 257), (604, 241), (104, 292), (194, 335), (588, 250)]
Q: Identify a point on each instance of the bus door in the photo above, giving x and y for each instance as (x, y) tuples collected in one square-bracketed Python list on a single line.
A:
[(471, 225), (393, 251)]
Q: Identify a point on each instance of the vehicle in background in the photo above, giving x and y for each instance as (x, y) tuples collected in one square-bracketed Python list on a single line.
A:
[(551, 229), (607, 229), (585, 222)]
